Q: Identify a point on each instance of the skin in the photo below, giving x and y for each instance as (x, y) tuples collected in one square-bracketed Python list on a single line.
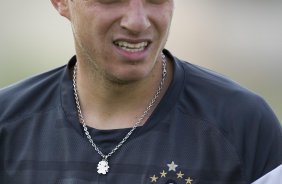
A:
[(109, 76)]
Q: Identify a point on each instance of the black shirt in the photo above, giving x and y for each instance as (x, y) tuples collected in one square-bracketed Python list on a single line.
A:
[(206, 129)]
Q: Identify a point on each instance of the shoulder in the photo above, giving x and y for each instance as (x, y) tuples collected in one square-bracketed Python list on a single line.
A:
[(30, 95), (223, 102), (212, 96), (213, 90), (243, 118)]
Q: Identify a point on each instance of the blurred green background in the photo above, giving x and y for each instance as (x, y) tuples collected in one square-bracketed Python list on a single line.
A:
[(240, 39)]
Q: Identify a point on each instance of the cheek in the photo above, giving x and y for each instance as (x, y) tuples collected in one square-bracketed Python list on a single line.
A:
[(161, 18), (101, 30), (93, 34)]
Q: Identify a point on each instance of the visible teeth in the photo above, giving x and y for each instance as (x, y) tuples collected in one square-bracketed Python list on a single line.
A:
[(131, 47)]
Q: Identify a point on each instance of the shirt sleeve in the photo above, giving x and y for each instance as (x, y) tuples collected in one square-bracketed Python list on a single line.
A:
[(263, 149)]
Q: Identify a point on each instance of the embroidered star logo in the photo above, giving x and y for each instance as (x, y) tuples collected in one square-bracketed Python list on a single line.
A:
[(154, 178), (188, 180), (173, 177), (180, 174), (172, 166), (163, 174)]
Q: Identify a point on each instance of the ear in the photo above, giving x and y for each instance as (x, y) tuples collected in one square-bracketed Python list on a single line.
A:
[(62, 7)]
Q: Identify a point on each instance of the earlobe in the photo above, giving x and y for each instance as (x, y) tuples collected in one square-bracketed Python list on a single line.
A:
[(62, 7)]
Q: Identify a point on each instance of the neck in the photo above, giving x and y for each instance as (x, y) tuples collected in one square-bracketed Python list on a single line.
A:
[(110, 105)]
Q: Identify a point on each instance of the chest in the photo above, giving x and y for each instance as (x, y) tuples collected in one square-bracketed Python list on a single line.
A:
[(173, 153)]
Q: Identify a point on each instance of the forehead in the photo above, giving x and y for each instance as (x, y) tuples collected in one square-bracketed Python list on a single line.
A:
[(113, 2)]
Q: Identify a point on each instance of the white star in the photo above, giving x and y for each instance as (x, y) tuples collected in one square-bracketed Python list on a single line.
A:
[(163, 174), (188, 180), (154, 178), (180, 174), (172, 166)]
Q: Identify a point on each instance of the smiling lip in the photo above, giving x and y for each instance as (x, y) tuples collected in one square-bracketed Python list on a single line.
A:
[(132, 49)]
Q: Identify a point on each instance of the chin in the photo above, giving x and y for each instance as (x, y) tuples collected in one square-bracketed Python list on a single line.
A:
[(125, 79)]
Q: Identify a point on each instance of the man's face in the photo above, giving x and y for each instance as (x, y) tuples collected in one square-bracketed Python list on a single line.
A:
[(120, 39)]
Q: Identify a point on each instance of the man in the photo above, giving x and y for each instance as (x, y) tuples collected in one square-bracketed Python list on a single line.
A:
[(124, 110)]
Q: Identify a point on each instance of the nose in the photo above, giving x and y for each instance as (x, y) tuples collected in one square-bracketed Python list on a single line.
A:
[(135, 19)]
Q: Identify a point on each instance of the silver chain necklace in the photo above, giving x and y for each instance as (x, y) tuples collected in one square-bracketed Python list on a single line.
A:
[(103, 165)]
